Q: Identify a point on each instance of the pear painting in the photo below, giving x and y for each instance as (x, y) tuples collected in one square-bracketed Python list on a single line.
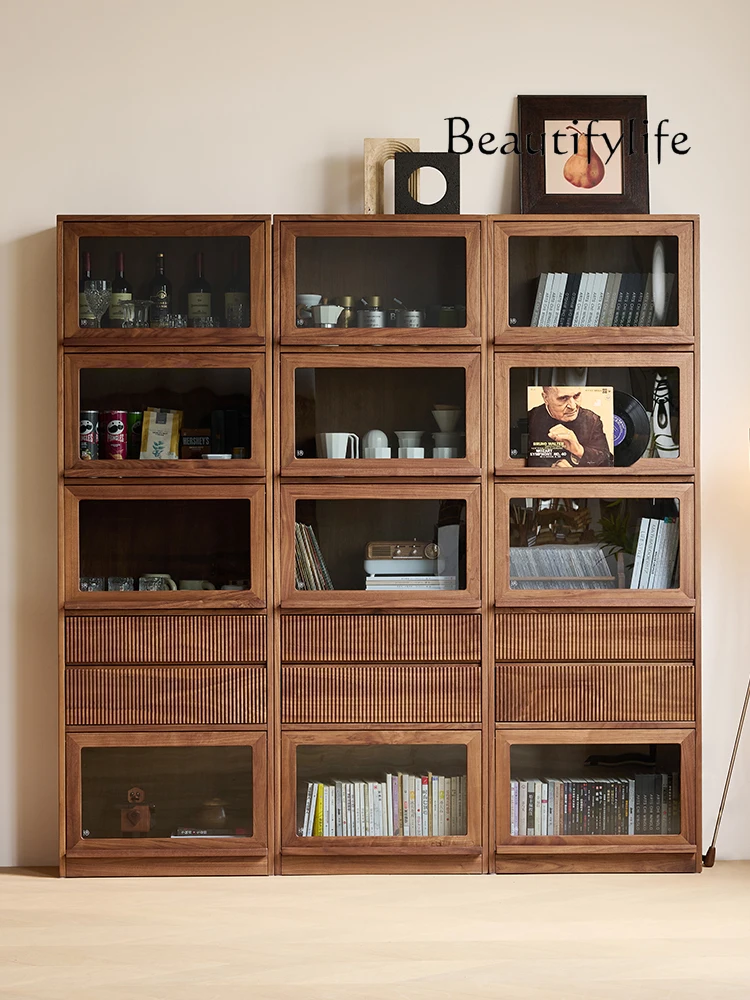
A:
[(581, 169)]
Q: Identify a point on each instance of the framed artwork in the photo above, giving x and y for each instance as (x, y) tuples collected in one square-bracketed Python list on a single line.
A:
[(583, 154)]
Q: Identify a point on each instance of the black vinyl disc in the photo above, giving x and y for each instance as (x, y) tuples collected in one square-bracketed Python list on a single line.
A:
[(632, 429)]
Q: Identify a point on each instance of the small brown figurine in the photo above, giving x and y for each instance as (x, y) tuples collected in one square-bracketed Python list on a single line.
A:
[(135, 817)]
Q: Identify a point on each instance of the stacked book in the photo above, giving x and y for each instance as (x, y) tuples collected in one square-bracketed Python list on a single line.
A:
[(401, 805), (560, 567), (656, 554), (599, 298), (550, 807), (414, 582), (310, 569)]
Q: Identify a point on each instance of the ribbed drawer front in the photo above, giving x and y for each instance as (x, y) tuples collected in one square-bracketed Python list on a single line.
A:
[(601, 635), (381, 638), (595, 692), (404, 692), (152, 639), (163, 696)]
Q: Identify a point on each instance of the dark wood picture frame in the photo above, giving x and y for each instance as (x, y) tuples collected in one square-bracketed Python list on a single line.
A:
[(533, 111)]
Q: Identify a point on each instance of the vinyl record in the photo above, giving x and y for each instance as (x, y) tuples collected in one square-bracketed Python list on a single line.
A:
[(632, 429)]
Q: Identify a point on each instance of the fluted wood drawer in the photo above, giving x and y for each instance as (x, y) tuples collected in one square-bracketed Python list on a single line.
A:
[(381, 638), (595, 692), (598, 635), (374, 692), (152, 639), (164, 696)]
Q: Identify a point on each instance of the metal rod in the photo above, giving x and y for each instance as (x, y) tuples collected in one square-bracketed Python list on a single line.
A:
[(710, 856)]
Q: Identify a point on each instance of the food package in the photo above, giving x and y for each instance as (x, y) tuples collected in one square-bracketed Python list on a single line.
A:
[(161, 433)]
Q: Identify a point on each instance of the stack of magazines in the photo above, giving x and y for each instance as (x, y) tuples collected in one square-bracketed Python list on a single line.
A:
[(310, 569)]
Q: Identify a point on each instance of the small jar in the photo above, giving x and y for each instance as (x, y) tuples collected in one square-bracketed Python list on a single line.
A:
[(371, 315), (348, 317)]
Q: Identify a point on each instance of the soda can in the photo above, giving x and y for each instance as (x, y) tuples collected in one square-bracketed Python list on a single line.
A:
[(135, 426), (89, 434), (115, 434)]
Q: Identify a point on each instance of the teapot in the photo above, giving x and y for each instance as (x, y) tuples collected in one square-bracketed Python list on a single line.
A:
[(326, 314)]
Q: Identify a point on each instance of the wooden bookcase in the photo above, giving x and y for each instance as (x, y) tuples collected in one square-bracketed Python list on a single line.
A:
[(222, 705)]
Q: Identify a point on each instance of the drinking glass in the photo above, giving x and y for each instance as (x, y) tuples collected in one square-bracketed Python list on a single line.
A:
[(98, 294), (141, 309), (127, 310)]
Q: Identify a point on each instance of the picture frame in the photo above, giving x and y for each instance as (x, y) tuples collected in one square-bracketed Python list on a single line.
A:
[(562, 173)]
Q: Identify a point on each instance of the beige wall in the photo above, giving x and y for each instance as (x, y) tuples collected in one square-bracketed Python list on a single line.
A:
[(235, 106)]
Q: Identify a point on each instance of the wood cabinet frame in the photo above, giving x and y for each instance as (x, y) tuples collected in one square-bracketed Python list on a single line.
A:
[(257, 228), (505, 227), (175, 599), (288, 228), (78, 846), (75, 467), (684, 595), (290, 493), (687, 842), (468, 466), (291, 843), (683, 465)]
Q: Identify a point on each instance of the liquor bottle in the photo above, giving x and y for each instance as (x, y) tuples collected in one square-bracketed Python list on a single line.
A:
[(85, 316), (237, 297), (160, 293), (199, 293), (121, 291)]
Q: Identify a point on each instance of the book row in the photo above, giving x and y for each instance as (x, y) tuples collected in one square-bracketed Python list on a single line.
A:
[(560, 567), (656, 554), (602, 298), (547, 807), (401, 805), (311, 572)]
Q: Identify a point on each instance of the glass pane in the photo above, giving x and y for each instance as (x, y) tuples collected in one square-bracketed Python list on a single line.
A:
[(381, 791), (638, 411), (190, 792), (380, 412), (380, 545), (404, 281), (593, 281), (211, 412), (158, 545), (183, 280), (574, 790), (594, 544)]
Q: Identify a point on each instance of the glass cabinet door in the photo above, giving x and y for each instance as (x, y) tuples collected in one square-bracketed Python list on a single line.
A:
[(180, 281), (164, 414), (380, 414), (379, 282), (386, 788), (623, 411), (384, 545), (597, 276), (606, 785), (165, 546), (143, 793), (607, 542)]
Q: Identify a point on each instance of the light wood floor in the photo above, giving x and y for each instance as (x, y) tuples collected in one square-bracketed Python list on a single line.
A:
[(589, 937)]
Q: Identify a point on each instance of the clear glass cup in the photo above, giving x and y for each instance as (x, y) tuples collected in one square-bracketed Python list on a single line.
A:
[(98, 294)]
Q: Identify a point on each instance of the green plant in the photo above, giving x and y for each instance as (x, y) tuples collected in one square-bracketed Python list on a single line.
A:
[(615, 533)]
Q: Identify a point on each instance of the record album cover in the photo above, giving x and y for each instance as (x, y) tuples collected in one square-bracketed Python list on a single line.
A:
[(571, 426)]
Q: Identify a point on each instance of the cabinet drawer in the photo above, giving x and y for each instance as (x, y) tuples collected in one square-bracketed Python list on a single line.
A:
[(600, 635), (165, 696), (381, 638), (595, 692), (154, 639), (375, 692)]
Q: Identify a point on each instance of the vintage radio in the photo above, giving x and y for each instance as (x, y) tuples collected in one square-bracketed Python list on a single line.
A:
[(409, 557)]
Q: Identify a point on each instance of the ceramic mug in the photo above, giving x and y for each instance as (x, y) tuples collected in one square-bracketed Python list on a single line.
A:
[(120, 582), (376, 453), (196, 585), (336, 445), (90, 583), (233, 586), (156, 581), (411, 452), (445, 452)]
